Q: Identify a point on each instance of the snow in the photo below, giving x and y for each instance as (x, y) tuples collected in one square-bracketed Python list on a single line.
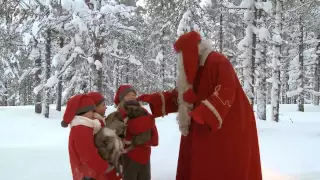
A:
[(294, 92), (37, 89), (76, 20), (184, 23), (74, 5), (24, 75), (115, 44), (35, 53), (159, 58), (56, 60), (133, 60), (277, 38), (52, 81), (78, 50), (112, 9), (90, 60), (27, 38), (130, 28), (117, 9), (246, 4), (35, 28), (37, 148), (77, 39), (98, 64), (247, 40), (266, 6), (263, 34)]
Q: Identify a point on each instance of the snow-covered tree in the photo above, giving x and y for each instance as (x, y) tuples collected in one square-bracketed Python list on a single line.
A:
[(277, 41)]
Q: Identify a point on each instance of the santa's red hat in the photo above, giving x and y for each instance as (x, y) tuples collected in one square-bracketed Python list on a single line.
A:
[(187, 44), (96, 97), (77, 104), (122, 91)]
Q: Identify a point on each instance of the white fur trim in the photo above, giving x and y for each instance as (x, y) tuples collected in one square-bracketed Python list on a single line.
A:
[(126, 142), (84, 121), (184, 108), (204, 49), (163, 104), (98, 116), (213, 110)]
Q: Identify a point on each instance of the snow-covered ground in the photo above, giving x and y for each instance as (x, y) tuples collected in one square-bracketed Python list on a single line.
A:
[(35, 148)]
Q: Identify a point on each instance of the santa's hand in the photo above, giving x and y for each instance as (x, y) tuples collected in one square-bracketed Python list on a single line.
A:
[(189, 96)]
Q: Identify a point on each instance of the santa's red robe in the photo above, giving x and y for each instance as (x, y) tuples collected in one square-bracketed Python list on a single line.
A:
[(225, 146)]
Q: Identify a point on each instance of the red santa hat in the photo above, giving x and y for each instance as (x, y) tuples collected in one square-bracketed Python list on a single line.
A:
[(77, 104), (96, 97), (188, 45), (121, 92)]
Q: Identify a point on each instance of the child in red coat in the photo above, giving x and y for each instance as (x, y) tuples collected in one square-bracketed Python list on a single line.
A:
[(99, 113), (136, 161), (85, 161)]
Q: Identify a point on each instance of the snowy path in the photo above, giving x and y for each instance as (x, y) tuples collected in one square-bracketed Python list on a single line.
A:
[(33, 148)]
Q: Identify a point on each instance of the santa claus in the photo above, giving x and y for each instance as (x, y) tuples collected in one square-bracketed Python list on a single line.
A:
[(219, 136)]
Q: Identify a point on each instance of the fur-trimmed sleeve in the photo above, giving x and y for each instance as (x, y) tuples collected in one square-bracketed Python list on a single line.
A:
[(161, 103), (214, 109)]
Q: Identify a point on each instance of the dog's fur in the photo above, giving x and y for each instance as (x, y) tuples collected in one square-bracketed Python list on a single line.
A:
[(114, 121), (108, 144)]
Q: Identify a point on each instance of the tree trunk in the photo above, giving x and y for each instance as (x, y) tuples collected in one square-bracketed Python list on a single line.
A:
[(37, 79), (59, 95), (47, 73), (163, 68), (116, 75), (30, 98), (127, 72), (262, 80), (98, 73), (316, 99), (301, 67), (249, 61), (275, 91), (59, 88), (253, 55), (23, 92), (221, 34)]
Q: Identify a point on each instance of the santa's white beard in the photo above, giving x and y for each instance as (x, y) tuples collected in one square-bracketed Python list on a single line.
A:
[(184, 107)]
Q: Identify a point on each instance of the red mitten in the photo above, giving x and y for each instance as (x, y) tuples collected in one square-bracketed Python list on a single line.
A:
[(145, 98), (189, 96), (155, 103), (203, 115), (196, 118)]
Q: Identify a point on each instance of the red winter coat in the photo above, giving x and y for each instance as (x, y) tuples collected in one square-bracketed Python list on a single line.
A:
[(141, 153), (84, 157), (226, 146)]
